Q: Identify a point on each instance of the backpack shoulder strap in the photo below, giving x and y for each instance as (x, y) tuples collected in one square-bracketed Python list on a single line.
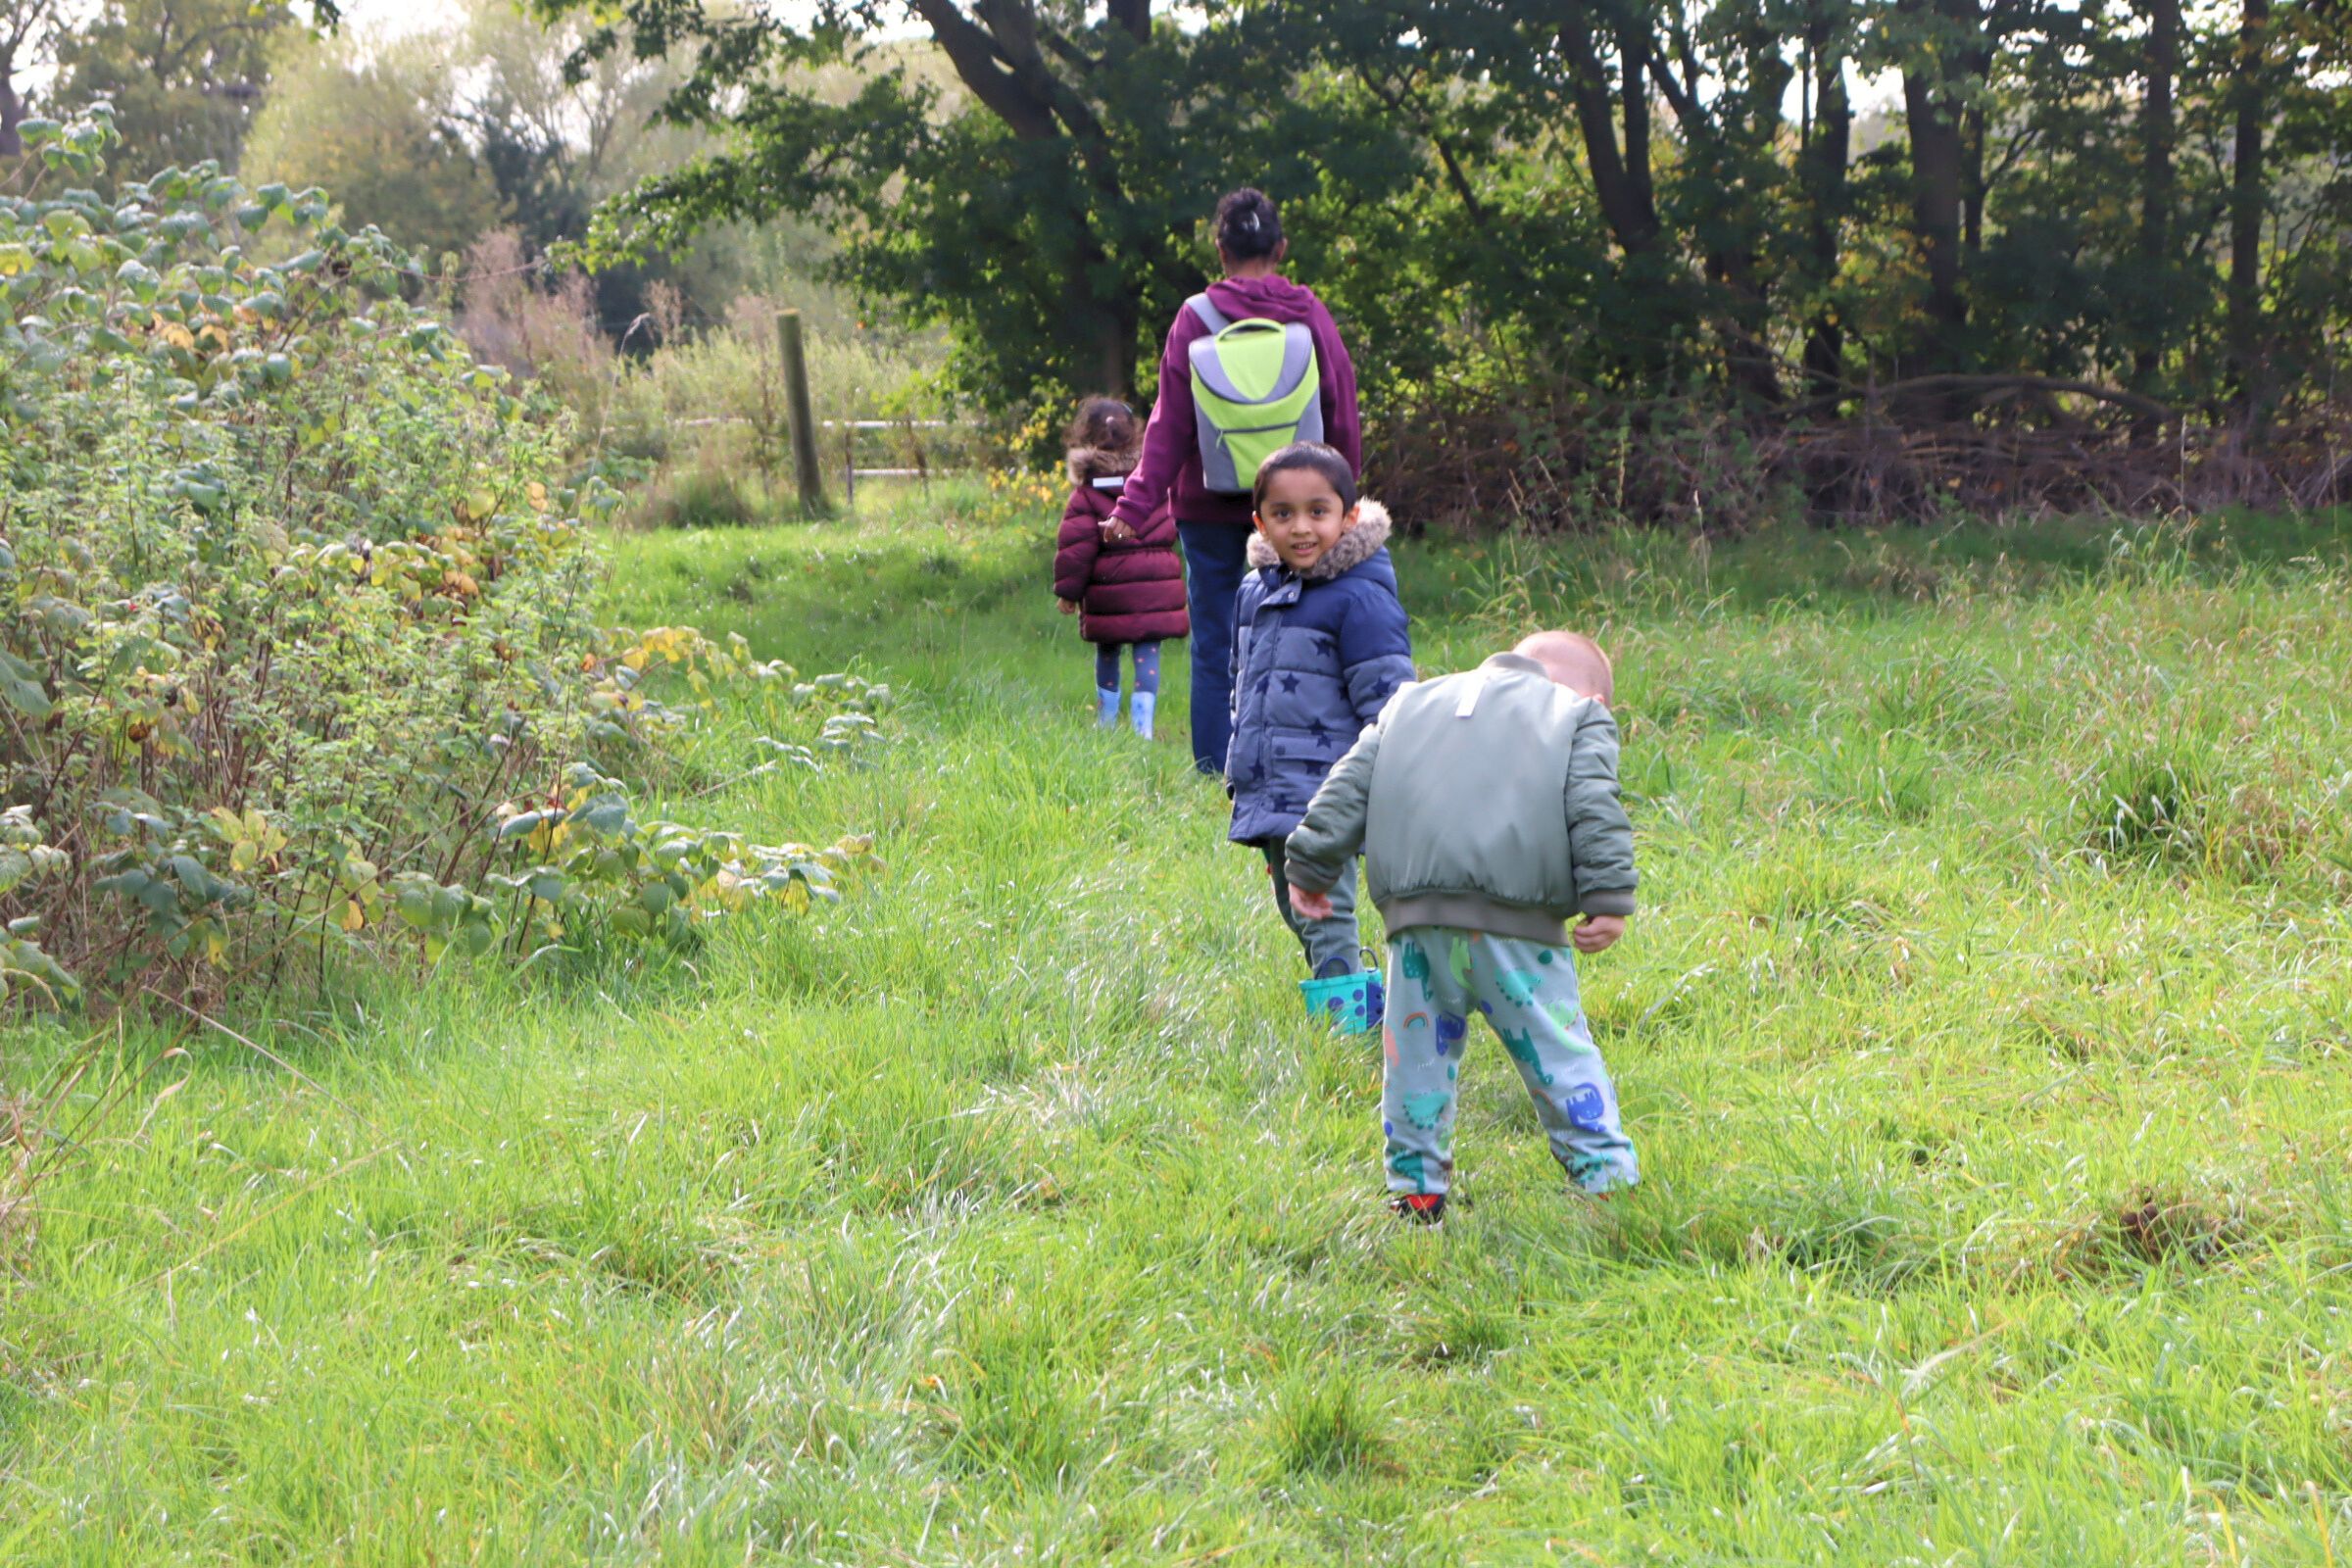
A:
[(1214, 320)]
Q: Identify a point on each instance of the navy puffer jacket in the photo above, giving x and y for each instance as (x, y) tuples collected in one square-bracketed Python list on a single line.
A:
[(1314, 660)]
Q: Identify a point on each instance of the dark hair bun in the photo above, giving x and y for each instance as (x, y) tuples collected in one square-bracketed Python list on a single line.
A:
[(1249, 227), (1103, 422)]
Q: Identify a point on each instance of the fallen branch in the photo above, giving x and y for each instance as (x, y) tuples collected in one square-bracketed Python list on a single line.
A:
[(1983, 387)]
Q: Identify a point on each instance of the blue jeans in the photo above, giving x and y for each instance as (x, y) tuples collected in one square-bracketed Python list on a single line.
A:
[(1215, 556)]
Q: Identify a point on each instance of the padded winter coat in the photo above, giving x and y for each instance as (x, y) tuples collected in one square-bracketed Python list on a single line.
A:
[(1315, 660), (1486, 801), (1126, 593)]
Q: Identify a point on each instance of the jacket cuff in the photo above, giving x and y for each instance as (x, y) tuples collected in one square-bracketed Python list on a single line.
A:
[(1312, 884), (1606, 900)]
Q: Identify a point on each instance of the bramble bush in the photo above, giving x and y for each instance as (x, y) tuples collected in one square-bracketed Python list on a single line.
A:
[(298, 661)]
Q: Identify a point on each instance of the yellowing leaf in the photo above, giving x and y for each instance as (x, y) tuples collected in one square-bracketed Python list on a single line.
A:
[(354, 916)]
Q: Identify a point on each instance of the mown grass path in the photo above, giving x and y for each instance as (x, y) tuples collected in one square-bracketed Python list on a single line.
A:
[(1997, 1207)]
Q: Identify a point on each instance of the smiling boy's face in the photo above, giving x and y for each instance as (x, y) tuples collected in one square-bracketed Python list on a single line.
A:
[(1302, 517)]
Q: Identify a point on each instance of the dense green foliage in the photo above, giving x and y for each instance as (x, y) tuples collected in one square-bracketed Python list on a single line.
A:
[(1628, 197), (185, 77), (1010, 1214), (297, 655)]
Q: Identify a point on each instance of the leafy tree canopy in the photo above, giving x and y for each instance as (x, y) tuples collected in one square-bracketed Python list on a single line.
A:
[(186, 78), (1045, 200)]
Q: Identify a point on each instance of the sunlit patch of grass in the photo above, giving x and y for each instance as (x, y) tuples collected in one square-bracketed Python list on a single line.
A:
[(1982, 1033)]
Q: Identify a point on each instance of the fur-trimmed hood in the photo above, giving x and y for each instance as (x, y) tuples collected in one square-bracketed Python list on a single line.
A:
[(1356, 546), (1088, 464)]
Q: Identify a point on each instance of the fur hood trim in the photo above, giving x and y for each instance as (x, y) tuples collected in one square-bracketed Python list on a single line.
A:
[(1356, 546), (1088, 464)]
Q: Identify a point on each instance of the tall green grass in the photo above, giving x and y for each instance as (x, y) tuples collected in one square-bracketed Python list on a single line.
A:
[(1985, 1032)]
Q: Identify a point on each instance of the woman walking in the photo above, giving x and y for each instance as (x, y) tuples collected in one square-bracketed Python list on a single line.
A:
[(1215, 523)]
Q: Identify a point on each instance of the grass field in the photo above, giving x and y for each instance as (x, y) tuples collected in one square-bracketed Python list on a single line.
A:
[(1999, 1206)]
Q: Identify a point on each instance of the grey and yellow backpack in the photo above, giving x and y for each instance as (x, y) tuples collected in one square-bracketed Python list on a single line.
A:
[(1256, 388)]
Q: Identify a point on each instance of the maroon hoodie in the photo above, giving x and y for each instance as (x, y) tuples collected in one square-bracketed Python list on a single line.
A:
[(1170, 467)]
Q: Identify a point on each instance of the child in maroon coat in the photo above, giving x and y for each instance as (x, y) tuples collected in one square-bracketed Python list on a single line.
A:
[(1127, 586)]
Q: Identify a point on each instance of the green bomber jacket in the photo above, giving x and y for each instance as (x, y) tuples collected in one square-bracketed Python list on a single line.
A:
[(1486, 800)]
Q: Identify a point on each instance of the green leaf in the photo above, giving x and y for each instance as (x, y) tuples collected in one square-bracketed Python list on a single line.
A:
[(26, 695), (607, 814), (192, 876), (413, 902)]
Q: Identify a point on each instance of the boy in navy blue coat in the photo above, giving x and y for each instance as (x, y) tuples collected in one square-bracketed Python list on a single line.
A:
[(1319, 646)]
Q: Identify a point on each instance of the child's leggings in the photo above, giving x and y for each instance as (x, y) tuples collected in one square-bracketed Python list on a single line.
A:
[(1331, 945), (1147, 666), (1438, 976)]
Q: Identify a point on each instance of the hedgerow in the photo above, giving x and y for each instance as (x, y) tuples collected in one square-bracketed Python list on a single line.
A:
[(298, 659)]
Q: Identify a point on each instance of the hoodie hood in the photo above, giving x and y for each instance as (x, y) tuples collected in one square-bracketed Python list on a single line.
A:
[(1356, 546), (1088, 464), (1273, 297)]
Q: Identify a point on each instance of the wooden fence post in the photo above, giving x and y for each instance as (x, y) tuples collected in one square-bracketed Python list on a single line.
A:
[(804, 422)]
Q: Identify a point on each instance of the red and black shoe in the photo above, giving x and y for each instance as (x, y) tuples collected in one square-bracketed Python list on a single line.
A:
[(1421, 1208)]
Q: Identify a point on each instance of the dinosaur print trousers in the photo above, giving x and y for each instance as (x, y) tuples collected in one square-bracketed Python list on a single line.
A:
[(1438, 977)]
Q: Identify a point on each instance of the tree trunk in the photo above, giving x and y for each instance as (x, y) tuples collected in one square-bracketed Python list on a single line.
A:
[(2249, 202), (1113, 332), (1971, 182), (2156, 184), (1731, 136), (1935, 170), (12, 108), (1939, 177), (1826, 156), (1621, 180), (1001, 58), (1633, 55)]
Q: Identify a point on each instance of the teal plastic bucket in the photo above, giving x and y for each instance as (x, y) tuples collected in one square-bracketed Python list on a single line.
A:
[(1352, 1003)]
